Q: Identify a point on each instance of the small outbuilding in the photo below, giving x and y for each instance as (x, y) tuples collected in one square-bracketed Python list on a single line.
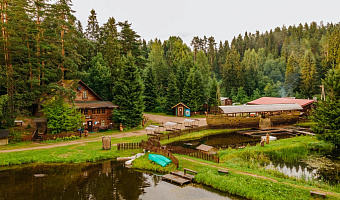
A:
[(4, 137), (207, 149), (181, 110), (226, 101)]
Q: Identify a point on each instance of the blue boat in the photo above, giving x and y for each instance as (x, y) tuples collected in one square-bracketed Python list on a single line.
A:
[(159, 159)]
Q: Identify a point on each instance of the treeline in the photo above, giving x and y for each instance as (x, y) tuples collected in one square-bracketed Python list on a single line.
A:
[(43, 43)]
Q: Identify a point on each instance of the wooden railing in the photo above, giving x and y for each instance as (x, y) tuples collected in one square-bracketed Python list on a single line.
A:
[(193, 153), (125, 146)]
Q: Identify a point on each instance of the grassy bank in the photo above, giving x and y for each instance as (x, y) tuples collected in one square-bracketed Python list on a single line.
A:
[(289, 150), (144, 163), (235, 183), (77, 153)]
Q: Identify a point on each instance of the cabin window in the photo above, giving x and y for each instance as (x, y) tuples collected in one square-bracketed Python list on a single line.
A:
[(85, 111), (98, 110), (103, 110), (93, 111), (84, 94), (81, 111), (102, 123)]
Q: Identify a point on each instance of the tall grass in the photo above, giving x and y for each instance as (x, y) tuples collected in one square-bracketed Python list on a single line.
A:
[(144, 163), (288, 150)]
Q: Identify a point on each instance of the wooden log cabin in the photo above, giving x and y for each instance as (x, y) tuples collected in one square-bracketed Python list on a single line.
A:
[(96, 111)]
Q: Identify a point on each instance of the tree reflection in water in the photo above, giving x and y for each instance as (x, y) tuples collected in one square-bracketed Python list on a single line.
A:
[(108, 180)]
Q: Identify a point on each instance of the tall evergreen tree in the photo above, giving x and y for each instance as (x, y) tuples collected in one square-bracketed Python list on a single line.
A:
[(128, 94), (193, 93), (308, 74), (99, 77), (92, 28), (172, 95), (150, 93), (213, 98)]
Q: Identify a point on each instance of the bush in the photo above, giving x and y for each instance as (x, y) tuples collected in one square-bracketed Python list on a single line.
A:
[(14, 136)]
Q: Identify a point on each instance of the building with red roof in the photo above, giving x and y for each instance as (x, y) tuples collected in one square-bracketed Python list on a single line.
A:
[(306, 104)]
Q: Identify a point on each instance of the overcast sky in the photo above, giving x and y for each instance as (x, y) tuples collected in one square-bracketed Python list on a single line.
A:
[(222, 19)]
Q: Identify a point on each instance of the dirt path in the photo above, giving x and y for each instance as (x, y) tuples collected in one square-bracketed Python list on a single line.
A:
[(337, 195), (154, 118)]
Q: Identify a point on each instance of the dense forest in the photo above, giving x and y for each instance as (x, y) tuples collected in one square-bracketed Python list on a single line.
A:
[(42, 43)]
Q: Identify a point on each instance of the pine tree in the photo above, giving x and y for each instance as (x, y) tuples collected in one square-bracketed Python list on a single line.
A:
[(129, 43), (92, 28), (150, 95), (128, 95)]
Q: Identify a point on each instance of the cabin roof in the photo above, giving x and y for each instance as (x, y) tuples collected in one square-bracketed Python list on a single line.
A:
[(70, 83), (224, 98), (276, 100), (94, 104), (39, 120), (204, 147), (259, 108), (180, 103)]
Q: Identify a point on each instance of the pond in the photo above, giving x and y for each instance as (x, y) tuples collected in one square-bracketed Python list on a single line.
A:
[(224, 140), (106, 180)]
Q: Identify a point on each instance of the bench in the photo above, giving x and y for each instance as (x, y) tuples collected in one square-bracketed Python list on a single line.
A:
[(189, 170), (318, 193), (222, 171)]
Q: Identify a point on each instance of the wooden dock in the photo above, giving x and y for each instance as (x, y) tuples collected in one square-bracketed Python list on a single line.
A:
[(180, 177), (176, 179)]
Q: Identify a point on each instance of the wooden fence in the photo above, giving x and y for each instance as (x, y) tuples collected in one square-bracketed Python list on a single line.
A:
[(193, 153), (177, 133), (125, 146), (149, 145), (163, 152)]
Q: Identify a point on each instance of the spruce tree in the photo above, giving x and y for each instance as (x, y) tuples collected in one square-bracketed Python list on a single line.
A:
[(99, 77), (213, 93), (193, 93), (150, 94), (172, 95), (182, 75), (308, 74), (128, 95)]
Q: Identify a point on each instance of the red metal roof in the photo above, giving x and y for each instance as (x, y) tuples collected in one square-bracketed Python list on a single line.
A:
[(276, 100)]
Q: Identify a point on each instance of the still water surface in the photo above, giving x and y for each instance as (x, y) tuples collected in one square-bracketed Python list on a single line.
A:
[(106, 180)]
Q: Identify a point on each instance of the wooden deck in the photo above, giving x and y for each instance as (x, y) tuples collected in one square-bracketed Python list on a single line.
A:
[(180, 177), (176, 179), (181, 174)]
